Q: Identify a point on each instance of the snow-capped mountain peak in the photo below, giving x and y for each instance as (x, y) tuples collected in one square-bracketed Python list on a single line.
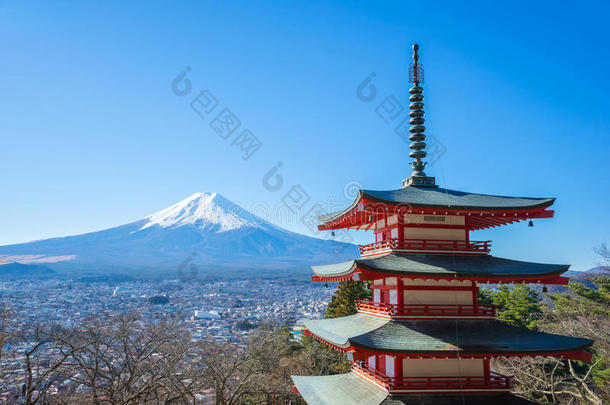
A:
[(206, 231), (204, 210)]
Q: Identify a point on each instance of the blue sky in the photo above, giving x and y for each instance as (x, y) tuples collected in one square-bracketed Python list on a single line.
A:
[(92, 135)]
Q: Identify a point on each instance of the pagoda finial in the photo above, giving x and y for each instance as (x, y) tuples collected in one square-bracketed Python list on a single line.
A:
[(417, 129)]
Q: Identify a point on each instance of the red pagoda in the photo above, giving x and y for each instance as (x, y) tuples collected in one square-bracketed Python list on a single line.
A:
[(424, 338)]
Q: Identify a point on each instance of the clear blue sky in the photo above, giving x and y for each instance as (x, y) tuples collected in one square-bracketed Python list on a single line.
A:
[(92, 135)]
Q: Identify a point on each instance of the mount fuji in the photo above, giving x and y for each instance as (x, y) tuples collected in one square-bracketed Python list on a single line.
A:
[(205, 232)]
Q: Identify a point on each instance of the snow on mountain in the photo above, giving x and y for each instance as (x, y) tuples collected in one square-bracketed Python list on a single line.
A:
[(204, 210), (207, 229)]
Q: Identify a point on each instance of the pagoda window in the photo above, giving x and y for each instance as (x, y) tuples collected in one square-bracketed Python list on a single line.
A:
[(371, 362), (394, 233), (392, 219), (381, 223), (393, 297), (442, 367), (389, 366), (376, 295)]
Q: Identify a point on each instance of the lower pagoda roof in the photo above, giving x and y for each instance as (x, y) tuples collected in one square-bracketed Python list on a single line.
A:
[(350, 389), (440, 265), (344, 389), (440, 337)]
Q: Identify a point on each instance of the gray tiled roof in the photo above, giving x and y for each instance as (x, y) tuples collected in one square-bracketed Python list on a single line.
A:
[(439, 336), (442, 265), (340, 389), (443, 198), (350, 389)]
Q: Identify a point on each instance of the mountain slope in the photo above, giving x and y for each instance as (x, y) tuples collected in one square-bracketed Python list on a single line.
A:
[(206, 229), (18, 270)]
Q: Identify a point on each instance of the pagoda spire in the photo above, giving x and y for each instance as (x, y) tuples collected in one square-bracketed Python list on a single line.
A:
[(417, 128)]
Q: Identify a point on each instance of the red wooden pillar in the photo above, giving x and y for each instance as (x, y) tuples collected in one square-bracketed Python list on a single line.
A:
[(400, 295), (380, 363), (486, 371), (401, 226), (398, 370), (475, 291)]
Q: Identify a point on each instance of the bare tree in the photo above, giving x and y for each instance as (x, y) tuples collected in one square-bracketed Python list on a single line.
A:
[(604, 253), (583, 312), (122, 360), (4, 336), (44, 360), (229, 370)]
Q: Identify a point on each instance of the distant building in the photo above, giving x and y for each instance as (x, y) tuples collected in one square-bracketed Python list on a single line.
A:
[(201, 314)]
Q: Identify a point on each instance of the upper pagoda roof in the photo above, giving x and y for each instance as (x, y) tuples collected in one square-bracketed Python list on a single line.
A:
[(411, 198), (436, 197), (439, 336), (350, 389), (482, 267)]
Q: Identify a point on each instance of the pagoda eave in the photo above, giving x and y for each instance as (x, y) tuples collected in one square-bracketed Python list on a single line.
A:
[(365, 275), (358, 352), (480, 268), (366, 210), (352, 389), (363, 335)]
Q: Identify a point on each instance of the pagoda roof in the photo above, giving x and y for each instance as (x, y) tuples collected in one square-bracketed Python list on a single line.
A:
[(350, 389), (436, 197), (484, 210), (345, 389), (439, 336), (440, 265)]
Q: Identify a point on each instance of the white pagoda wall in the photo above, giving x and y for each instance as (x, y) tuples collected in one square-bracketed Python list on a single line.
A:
[(438, 297), (435, 233), (442, 367), (457, 220)]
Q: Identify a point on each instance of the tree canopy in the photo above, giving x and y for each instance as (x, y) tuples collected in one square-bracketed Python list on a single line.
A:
[(343, 302), (517, 305)]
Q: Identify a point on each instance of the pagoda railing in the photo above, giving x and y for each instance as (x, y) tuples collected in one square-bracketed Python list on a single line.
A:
[(426, 245), (493, 381), (423, 310)]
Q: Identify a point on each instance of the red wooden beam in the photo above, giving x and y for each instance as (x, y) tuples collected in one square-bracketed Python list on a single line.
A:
[(367, 211), (367, 275), (361, 353)]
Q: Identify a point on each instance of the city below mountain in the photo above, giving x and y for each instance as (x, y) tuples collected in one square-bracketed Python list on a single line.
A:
[(205, 234)]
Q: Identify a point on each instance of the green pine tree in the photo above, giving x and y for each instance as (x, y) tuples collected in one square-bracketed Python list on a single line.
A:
[(517, 305), (343, 302)]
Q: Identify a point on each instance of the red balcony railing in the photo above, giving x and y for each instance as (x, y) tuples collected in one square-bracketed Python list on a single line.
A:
[(373, 374), (422, 310), (482, 247), (493, 381)]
